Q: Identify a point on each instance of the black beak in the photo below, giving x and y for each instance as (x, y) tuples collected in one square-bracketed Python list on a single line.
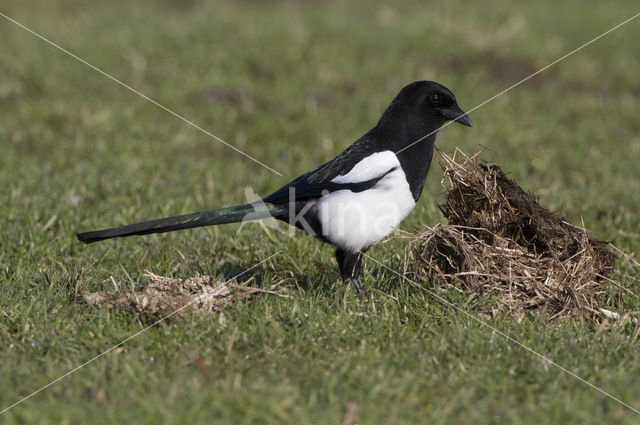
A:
[(456, 114)]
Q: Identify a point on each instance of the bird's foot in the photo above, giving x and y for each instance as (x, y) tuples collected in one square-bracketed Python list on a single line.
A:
[(359, 290)]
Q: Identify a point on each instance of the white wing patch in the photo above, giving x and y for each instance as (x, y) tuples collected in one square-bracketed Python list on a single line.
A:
[(354, 221), (369, 168)]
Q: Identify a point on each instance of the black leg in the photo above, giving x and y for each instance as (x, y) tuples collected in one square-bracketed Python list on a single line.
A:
[(349, 263)]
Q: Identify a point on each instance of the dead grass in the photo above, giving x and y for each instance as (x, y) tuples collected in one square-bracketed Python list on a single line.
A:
[(170, 298), (500, 241)]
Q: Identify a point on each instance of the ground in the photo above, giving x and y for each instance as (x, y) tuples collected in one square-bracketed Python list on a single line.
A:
[(292, 84)]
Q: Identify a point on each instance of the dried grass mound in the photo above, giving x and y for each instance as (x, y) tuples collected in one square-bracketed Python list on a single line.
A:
[(500, 241), (166, 297)]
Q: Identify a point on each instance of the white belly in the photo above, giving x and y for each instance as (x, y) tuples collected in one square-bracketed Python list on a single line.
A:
[(357, 220)]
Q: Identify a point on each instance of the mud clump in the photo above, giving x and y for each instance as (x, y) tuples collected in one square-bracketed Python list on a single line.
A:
[(500, 241)]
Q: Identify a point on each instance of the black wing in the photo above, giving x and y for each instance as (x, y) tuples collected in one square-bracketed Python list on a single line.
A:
[(317, 182), (342, 163)]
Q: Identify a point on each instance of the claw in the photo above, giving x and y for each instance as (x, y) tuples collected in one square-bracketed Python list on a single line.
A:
[(359, 290)]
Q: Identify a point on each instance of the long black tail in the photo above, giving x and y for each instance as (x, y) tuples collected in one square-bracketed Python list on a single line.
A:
[(235, 214)]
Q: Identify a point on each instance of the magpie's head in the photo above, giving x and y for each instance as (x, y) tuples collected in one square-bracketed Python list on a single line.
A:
[(426, 105), (436, 102)]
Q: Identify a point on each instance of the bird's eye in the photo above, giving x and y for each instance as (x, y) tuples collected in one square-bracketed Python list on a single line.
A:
[(435, 99)]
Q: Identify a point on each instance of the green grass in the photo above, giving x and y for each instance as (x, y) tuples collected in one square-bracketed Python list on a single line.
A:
[(293, 84)]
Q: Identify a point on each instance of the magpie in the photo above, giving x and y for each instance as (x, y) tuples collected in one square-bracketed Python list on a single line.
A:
[(357, 198)]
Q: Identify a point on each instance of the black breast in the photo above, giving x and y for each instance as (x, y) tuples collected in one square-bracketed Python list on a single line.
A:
[(415, 162)]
